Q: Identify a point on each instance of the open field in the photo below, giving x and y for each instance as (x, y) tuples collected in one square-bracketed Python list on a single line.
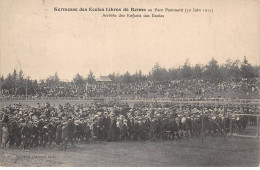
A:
[(214, 152)]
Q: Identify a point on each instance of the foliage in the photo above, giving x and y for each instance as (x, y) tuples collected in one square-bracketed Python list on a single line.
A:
[(17, 84)]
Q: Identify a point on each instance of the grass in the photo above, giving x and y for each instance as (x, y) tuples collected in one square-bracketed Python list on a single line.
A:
[(215, 152)]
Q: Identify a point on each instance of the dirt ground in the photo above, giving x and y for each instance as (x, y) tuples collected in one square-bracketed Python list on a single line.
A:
[(233, 151)]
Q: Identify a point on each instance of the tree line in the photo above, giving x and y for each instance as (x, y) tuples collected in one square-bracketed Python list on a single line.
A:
[(18, 84), (212, 71)]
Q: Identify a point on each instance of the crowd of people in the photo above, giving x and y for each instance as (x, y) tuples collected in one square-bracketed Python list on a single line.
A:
[(169, 89), (25, 126)]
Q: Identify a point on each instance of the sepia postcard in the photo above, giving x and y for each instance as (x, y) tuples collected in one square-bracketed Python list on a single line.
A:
[(129, 83)]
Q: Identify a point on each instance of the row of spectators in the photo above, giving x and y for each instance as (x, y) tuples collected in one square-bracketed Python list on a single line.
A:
[(184, 88), (173, 89), (27, 126)]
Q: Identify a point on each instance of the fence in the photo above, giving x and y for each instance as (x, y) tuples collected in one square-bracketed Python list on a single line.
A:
[(139, 99), (250, 129)]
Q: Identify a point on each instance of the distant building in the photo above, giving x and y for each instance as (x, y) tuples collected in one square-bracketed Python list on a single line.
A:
[(104, 79)]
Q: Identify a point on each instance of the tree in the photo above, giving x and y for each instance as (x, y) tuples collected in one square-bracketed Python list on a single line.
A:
[(53, 80), (135, 77), (158, 73), (20, 75), (174, 73), (21, 84), (112, 76), (79, 81), (9, 85), (91, 78), (56, 78), (247, 70), (30, 86), (231, 69), (14, 77), (197, 72), (211, 71), (2, 79), (126, 78), (186, 70)]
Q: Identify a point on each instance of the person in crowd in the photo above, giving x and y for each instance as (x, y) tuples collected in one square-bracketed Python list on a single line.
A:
[(28, 126)]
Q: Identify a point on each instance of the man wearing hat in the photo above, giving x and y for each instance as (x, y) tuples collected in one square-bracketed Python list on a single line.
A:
[(5, 118), (88, 131), (25, 135), (13, 130), (58, 136), (40, 126), (45, 133), (125, 132), (112, 130), (71, 127), (136, 129), (64, 135), (34, 134), (52, 132)]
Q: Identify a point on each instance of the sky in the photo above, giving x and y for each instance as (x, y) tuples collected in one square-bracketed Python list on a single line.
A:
[(41, 41)]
